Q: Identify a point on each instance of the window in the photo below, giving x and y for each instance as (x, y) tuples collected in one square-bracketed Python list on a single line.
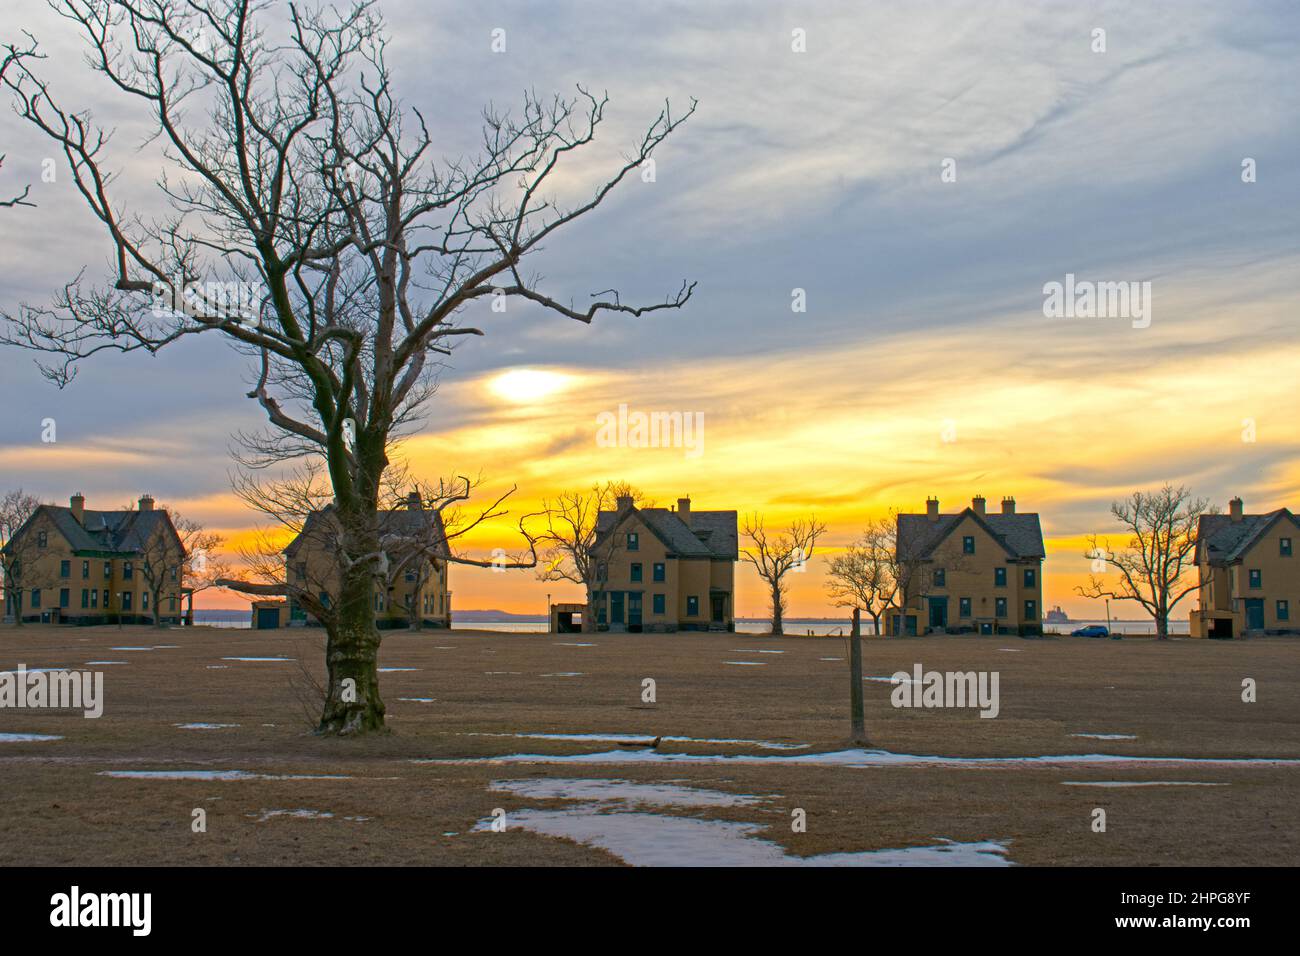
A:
[(692, 606), (939, 577), (1000, 607), (42, 539), (85, 598), (173, 574), (324, 599), (1256, 578), (1030, 575), (659, 571), (1000, 577), (171, 603), (1284, 547), (633, 541), (144, 600), (126, 600), (36, 597), (1031, 611), (659, 604), (636, 572), (85, 570), (1283, 611), (108, 569), (602, 571), (94, 597), (410, 574), (128, 570), (106, 599), (65, 569), (963, 607), (65, 597), (968, 544)]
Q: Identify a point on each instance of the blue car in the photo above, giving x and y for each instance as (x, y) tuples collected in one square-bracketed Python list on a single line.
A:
[(1091, 630)]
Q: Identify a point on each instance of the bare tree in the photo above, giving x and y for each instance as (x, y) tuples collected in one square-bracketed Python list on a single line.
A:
[(20, 564), (574, 549), (187, 560), (867, 576), (337, 251), (776, 557), (9, 54), (1160, 552)]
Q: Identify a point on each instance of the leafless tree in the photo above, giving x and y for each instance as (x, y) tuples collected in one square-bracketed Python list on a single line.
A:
[(1160, 552), (337, 252), (191, 560), (776, 557), (20, 564), (573, 550), (10, 53)]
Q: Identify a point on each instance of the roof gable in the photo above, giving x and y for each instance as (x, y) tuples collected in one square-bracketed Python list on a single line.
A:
[(1221, 540), (1018, 534), (711, 534)]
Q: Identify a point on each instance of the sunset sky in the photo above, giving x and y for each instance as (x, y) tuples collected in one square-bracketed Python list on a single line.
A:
[(818, 171)]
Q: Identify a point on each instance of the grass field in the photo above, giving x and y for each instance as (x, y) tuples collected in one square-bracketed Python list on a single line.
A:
[(415, 795)]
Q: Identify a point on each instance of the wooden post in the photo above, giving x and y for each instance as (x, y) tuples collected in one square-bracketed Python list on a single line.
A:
[(857, 712)]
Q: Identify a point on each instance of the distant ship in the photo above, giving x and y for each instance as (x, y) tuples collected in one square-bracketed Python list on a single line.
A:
[(1057, 616)]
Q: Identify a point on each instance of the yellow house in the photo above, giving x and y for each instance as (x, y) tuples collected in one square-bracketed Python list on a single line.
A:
[(1248, 577), (415, 592), (663, 569), (77, 566), (969, 572)]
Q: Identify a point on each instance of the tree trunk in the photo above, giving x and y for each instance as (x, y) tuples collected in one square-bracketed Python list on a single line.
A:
[(777, 626), (856, 710), (352, 703), (1162, 627)]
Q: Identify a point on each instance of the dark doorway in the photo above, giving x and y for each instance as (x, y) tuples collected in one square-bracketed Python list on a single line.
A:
[(938, 612)]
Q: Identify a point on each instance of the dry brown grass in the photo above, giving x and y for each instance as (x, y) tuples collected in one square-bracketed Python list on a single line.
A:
[(1180, 699)]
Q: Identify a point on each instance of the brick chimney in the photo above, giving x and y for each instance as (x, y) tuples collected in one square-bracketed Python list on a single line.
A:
[(1008, 505), (78, 505), (932, 508), (623, 502), (1235, 509), (684, 510), (977, 505), (146, 503), (414, 502)]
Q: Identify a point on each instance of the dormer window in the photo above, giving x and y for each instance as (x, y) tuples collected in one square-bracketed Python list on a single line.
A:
[(1284, 547), (633, 541), (42, 539), (968, 544)]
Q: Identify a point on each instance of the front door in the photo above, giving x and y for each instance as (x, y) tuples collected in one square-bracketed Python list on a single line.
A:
[(938, 612), (719, 602), (615, 607), (1255, 614), (634, 610)]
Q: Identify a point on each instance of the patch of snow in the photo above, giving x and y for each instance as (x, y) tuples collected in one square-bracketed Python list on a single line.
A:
[(1139, 783), (26, 738), (213, 775), (201, 726), (646, 739), (276, 660), (1108, 736)]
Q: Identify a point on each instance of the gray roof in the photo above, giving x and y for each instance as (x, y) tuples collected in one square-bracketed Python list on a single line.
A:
[(711, 534), (1019, 533), (120, 531), (1226, 540), (408, 521)]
